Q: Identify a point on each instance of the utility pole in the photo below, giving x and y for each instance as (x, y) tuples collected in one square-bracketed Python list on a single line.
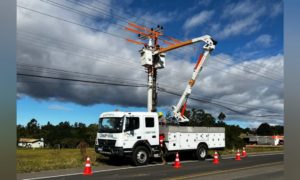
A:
[(150, 60), (152, 89), (152, 71)]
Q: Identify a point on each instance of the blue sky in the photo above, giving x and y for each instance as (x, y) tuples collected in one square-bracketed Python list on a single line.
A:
[(250, 34), (56, 112)]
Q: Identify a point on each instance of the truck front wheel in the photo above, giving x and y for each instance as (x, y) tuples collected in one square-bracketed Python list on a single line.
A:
[(140, 156), (201, 152)]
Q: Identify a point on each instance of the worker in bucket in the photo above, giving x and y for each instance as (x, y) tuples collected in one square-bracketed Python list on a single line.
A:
[(162, 120)]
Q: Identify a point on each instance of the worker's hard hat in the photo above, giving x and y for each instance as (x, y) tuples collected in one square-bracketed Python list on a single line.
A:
[(160, 114)]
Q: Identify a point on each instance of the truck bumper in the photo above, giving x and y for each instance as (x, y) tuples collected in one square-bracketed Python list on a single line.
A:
[(110, 151)]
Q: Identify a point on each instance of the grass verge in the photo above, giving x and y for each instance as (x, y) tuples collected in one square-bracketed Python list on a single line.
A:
[(34, 160), (251, 149)]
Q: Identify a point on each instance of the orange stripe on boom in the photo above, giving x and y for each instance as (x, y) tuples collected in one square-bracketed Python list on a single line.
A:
[(183, 109), (199, 60)]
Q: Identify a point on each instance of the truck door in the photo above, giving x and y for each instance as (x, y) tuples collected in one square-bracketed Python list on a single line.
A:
[(132, 131), (151, 133)]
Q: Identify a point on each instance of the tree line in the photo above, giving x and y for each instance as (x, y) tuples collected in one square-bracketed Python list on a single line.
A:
[(63, 135), (68, 135)]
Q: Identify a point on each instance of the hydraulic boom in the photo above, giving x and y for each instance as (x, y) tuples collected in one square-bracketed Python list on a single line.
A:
[(207, 48)]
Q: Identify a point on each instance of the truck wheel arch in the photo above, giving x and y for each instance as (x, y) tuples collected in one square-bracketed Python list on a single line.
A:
[(204, 144), (143, 143)]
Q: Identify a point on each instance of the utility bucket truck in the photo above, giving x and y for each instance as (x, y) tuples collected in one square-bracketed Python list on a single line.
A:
[(140, 136), (137, 135)]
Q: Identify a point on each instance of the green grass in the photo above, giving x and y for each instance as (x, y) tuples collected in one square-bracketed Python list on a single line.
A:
[(249, 150), (34, 160)]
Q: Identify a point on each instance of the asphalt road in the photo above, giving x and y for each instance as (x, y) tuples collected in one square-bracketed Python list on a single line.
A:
[(269, 166)]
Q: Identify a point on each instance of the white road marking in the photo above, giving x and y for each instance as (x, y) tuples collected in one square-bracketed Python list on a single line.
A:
[(105, 170), (133, 167)]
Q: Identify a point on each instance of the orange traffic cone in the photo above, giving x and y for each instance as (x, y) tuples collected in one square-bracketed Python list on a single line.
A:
[(244, 153), (176, 164), (216, 158), (238, 155), (88, 169)]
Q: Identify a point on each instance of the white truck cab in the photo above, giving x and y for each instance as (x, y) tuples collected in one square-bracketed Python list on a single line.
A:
[(137, 134), (125, 133)]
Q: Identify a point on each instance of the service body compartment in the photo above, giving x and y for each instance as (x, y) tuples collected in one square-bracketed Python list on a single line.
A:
[(188, 138)]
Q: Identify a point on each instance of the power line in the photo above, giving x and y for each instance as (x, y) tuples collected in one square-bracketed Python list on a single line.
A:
[(136, 85), (78, 80), (227, 102), (38, 38), (78, 24), (109, 78), (90, 15), (249, 71), (213, 100), (220, 105), (76, 11), (55, 70), (92, 57), (126, 60), (138, 17)]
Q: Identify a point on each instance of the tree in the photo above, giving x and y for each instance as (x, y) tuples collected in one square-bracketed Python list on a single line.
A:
[(222, 116), (91, 133), (33, 129), (248, 131), (264, 130), (277, 130), (232, 138), (198, 117), (21, 132), (48, 132)]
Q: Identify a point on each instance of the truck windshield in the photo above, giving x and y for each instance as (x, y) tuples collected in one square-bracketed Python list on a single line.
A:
[(110, 125)]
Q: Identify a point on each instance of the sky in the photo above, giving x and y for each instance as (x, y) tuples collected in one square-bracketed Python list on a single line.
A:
[(86, 40)]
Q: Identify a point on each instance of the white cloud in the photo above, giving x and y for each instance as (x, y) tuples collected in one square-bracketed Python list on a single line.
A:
[(198, 19), (245, 17), (59, 108), (264, 40), (159, 17), (277, 8), (204, 2), (239, 8), (245, 25)]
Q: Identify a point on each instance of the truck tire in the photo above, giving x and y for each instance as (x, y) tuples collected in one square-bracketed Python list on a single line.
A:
[(201, 152), (140, 156)]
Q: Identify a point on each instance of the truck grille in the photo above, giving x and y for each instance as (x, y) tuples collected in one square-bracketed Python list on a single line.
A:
[(106, 142)]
